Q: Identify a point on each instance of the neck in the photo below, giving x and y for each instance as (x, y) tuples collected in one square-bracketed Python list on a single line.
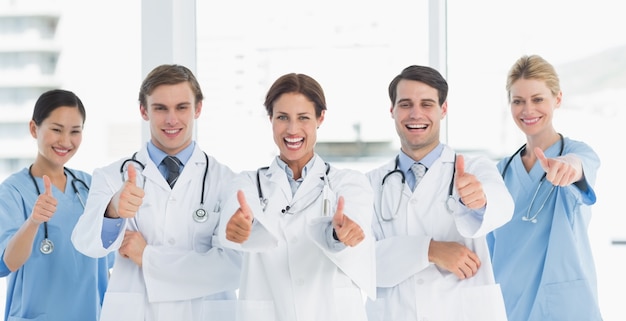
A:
[(55, 173), (542, 141)]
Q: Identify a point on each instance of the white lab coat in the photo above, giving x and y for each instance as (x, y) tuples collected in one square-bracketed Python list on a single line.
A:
[(410, 288), (290, 273), (186, 274)]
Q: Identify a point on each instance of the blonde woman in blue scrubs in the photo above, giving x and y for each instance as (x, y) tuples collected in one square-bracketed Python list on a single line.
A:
[(47, 279), (542, 258)]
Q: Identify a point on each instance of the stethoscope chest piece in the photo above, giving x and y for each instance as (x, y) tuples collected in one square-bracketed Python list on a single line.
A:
[(450, 204), (46, 246), (200, 215)]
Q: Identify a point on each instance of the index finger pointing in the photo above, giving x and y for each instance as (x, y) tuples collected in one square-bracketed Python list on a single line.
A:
[(543, 161)]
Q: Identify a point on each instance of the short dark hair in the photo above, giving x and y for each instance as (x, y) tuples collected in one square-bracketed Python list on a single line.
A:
[(427, 75), (296, 83), (53, 99)]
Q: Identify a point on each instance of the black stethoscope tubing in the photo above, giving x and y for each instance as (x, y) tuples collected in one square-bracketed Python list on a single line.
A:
[(528, 217), (399, 171), (508, 162), (260, 190), (47, 246), (200, 215)]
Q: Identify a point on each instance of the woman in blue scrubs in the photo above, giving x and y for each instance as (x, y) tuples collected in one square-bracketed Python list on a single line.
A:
[(39, 206), (542, 257)]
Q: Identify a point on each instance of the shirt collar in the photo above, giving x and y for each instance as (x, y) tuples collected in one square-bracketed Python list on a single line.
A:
[(288, 170), (405, 161), (157, 155)]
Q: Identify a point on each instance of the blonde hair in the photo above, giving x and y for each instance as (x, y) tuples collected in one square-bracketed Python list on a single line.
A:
[(533, 67)]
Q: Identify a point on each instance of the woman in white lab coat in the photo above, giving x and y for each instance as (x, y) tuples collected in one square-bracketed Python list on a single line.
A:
[(308, 246), (432, 259), (170, 265)]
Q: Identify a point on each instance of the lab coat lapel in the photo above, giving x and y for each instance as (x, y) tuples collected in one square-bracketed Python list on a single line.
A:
[(195, 167), (278, 178), (151, 173), (440, 170), (312, 183)]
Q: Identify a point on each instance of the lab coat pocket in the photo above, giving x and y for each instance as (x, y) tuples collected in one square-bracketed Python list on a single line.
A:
[(121, 306), (219, 310), (255, 310), (570, 301), (483, 303)]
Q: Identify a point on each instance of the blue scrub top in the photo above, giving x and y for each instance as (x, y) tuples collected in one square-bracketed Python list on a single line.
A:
[(60, 286), (546, 269)]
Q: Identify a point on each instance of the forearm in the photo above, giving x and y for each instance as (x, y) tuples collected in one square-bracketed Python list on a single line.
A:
[(20, 246)]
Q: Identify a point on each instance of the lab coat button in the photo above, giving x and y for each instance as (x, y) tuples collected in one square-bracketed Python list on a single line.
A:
[(420, 282), (294, 239), (299, 282), (171, 241)]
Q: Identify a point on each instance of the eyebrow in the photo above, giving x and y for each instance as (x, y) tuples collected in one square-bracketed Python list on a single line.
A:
[(61, 125), (422, 100)]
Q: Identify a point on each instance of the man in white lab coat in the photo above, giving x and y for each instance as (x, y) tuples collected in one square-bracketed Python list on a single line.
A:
[(161, 218), (432, 258)]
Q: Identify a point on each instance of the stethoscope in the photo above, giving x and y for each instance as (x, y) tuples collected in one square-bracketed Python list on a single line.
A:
[(47, 246), (450, 201), (200, 215), (289, 208), (527, 217)]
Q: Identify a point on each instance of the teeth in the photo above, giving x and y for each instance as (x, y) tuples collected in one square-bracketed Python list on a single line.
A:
[(530, 120), (171, 131), (62, 150), (416, 126), (294, 140)]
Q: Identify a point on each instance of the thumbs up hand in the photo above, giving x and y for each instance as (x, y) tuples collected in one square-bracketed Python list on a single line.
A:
[(560, 171), (347, 231), (469, 188), (127, 201), (46, 204), (239, 226)]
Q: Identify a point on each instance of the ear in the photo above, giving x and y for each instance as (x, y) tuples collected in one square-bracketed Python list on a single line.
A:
[(33, 129), (144, 112), (198, 109), (559, 98), (391, 111), (444, 109), (320, 120)]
